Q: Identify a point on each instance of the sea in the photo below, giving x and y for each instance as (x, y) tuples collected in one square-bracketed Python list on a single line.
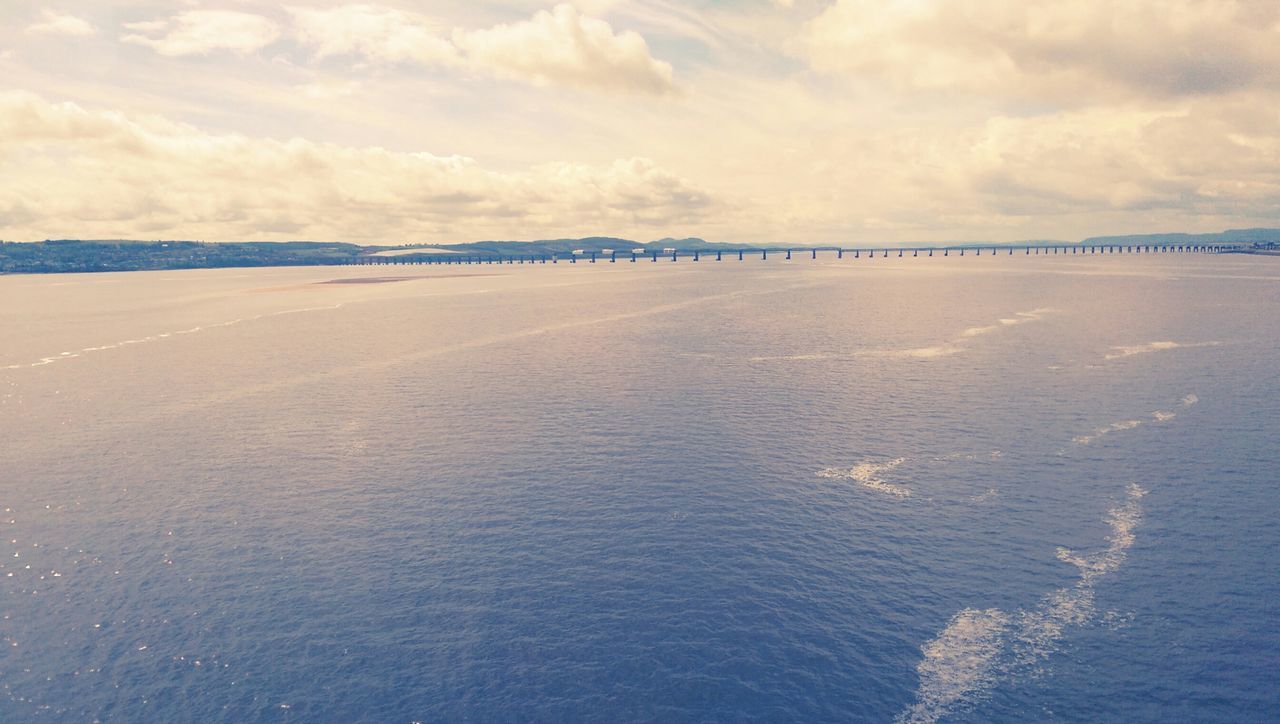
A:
[(982, 488)]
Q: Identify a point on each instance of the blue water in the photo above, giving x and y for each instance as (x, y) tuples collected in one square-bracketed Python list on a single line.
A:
[(818, 491)]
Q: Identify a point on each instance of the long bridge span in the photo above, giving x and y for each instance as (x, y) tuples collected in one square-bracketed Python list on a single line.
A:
[(813, 253)]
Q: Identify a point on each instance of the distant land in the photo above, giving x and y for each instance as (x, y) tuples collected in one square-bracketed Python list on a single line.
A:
[(73, 255)]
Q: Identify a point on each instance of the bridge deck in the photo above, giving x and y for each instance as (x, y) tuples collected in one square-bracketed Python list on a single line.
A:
[(436, 258)]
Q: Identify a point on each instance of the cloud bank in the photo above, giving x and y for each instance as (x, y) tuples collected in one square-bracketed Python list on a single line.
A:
[(72, 172), (1076, 52), (846, 121), (557, 47)]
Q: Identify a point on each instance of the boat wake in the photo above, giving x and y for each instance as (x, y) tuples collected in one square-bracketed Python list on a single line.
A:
[(1156, 416), (867, 474), (979, 648), (946, 349), (63, 356), (1119, 352)]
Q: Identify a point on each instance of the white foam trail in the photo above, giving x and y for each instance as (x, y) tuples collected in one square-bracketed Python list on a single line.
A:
[(1157, 416), (941, 350), (1131, 350), (1100, 432), (163, 335), (867, 474), (957, 663), (971, 457), (946, 349), (1018, 318), (988, 495), (1039, 631), (908, 353), (798, 357), (979, 648)]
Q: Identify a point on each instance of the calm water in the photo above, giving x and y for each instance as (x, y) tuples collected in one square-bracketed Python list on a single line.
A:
[(973, 489)]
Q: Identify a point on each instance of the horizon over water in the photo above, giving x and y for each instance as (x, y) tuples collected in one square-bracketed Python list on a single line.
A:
[(914, 490)]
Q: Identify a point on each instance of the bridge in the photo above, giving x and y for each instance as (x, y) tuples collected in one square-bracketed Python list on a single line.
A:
[(812, 253)]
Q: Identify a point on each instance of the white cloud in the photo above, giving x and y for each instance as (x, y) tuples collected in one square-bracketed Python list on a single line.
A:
[(379, 34), (55, 23), (1047, 49), (558, 47), (67, 171), (564, 47), (1123, 167), (198, 32)]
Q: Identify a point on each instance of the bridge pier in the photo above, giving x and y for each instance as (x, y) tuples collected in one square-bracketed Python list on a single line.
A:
[(788, 255)]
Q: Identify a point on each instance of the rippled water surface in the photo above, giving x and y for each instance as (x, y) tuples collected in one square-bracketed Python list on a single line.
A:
[(980, 489)]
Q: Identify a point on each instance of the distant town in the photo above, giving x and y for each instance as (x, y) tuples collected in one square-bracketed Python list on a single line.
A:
[(70, 255)]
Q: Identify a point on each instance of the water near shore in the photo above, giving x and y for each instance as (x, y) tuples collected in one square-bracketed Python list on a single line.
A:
[(986, 489)]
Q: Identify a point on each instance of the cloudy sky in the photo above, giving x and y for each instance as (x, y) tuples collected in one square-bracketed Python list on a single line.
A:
[(858, 121)]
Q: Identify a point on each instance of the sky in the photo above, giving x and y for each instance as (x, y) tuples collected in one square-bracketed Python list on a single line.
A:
[(754, 121)]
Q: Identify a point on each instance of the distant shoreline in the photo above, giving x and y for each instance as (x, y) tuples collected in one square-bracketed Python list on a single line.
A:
[(84, 256)]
